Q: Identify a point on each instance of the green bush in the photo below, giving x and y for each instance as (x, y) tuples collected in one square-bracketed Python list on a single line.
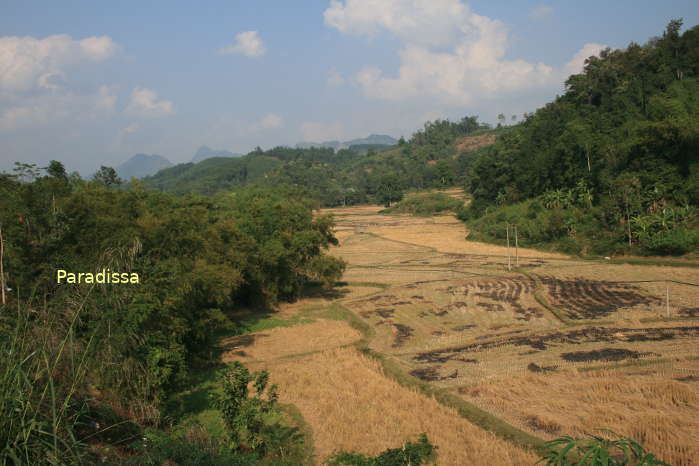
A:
[(612, 450), (426, 204), (674, 243), (411, 454)]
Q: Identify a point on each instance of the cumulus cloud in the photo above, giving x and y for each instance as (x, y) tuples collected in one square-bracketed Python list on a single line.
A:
[(41, 110), (540, 12), (28, 63), (314, 131), (144, 102), (577, 63), (448, 51), (246, 43)]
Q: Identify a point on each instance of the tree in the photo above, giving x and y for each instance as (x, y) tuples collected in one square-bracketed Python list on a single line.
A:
[(242, 414), (56, 169), (501, 118), (598, 450), (107, 176), (26, 172)]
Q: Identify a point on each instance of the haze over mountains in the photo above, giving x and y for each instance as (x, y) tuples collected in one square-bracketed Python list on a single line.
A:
[(205, 152), (374, 139), (141, 165)]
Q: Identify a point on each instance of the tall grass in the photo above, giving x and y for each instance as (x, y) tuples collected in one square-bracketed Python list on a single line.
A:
[(42, 373)]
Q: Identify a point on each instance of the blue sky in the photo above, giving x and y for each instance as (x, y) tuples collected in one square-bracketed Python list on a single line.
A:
[(92, 83)]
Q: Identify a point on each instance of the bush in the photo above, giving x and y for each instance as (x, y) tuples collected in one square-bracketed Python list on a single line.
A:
[(674, 243), (426, 204), (597, 450), (411, 454)]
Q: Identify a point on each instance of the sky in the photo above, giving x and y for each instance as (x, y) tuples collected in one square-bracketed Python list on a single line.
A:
[(93, 83)]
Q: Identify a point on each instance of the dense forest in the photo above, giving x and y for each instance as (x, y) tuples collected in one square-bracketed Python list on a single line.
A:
[(610, 166), (358, 175), (77, 357)]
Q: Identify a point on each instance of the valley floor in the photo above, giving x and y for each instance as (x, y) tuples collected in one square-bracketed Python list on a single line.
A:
[(555, 346)]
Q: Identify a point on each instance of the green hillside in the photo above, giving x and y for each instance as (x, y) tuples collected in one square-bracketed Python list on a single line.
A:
[(612, 165)]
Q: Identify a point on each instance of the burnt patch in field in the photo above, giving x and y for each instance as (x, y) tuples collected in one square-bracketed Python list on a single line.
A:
[(422, 314), (373, 299), (400, 303), (417, 296), (431, 374), (527, 353), (591, 299), (457, 305), (439, 312), (528, 313), (604, 354), (439, 333), (468, 360), (490, 307), (688, 378), (383, 313), (533, 367), (402, 333), (507, 290), (461, 328), (689, 312), (577, 336), (537, 423)]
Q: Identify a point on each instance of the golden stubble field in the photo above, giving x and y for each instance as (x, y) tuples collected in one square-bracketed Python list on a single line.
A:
[(555, 347)]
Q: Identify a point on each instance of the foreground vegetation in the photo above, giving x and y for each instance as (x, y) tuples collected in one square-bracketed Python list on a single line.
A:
[(96, 363)]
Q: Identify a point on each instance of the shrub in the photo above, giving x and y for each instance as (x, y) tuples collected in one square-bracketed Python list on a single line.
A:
[(426, 204), (676, 242), (596, 450), (411, 454)]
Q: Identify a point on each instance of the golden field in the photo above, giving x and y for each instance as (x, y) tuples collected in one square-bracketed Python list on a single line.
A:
[(556, 346)]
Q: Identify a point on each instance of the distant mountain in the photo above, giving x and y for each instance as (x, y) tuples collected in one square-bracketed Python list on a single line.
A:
[(372, 140), (141, 165), (205, 152)]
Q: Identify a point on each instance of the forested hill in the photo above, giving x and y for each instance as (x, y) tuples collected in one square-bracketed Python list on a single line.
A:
[(435, 156), (613, 162)]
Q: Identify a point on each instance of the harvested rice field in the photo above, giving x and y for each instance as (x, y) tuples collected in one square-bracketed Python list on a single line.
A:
[(544, 344)]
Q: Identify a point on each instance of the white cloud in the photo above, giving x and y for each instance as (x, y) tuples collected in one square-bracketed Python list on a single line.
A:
[(246, 43), (577, 63), (540, 12), (335, 79), (314, 131), (42, 110), (28, 63), (449, 52), (427, 22), (145, 103), (269, 121)]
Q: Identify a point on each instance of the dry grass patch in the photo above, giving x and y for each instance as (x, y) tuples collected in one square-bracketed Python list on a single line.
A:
[(286, 341), (351, 405), (656, 405)]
